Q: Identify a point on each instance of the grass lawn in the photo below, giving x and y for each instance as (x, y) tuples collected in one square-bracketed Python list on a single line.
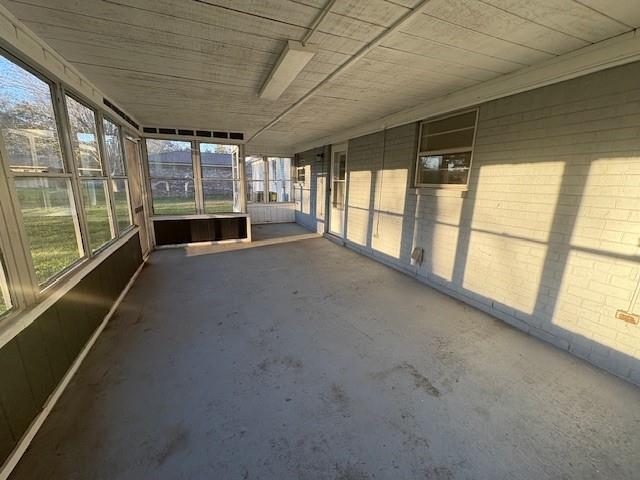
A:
[(182, 206), (52, 239)]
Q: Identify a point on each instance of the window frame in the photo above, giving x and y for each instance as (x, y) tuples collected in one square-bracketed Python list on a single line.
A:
[(21, 281), (422, 153), (101, 150), (267, 178), (195, 166), (199, 187), (109, 118)]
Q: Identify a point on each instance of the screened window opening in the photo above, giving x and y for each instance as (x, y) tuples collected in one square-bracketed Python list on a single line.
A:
[(5, 297), (51, 224), (280, 179), (27, 121), (93, 177), (84, 139), (254, 171), (445, 150), (118, 174), (171, 177), (220, 177)]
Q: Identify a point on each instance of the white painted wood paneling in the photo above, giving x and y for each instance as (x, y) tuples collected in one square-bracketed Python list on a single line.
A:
[(200, 64), (271, 212)]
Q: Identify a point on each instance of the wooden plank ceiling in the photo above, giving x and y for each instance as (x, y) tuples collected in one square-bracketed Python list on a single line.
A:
[(200, 63)]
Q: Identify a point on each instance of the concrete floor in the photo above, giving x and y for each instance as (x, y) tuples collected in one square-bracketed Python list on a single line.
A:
[(304, 360)]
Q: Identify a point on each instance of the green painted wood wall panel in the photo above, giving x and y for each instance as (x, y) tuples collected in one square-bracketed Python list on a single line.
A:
[(15, 395), (34, 362)]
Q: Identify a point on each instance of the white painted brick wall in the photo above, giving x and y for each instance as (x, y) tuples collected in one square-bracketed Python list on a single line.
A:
[(548, 235)]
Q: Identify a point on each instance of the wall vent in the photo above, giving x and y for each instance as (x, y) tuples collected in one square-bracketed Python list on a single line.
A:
[(186, 132), (120, 113)]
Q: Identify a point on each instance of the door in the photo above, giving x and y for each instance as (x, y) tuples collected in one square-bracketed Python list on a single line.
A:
[(134, 168), (338, 190)]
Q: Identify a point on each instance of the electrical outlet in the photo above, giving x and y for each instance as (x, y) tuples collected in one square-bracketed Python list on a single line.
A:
[(631, 318)]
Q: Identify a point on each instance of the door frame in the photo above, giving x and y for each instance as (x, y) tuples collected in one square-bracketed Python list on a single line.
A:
[(145, 232), (338, 147)]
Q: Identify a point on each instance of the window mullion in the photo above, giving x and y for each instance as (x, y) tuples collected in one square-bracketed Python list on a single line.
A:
[(197, 177), (102, 149), (265, 166), (80, 220), (22, 280), (241, 174)]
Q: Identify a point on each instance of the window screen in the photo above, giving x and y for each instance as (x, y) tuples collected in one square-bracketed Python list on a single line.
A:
[(445, 150)]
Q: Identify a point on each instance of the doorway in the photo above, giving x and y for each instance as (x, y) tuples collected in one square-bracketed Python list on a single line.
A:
[(338, 189), (134, 168)]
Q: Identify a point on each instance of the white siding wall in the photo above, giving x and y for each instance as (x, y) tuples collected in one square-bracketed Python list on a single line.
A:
[(547, 237), (271, 213)]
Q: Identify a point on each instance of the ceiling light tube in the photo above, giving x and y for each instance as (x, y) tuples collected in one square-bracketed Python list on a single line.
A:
[(291, 62)]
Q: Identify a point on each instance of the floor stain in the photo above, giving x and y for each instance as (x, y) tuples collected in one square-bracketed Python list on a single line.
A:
[(350, 472), (288, 362), (178, 440), (419, 380)]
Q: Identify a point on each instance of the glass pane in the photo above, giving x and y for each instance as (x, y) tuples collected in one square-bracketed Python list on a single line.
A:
[(5, 298), (280, 191), (220, 195), (219, 161), (339, 166), (50, 222), (27, 121), (96, 208), (169, 159), (173, 197), (84, 139), (279, 168), (120, 187), (113, 149), (444, 169), (456, 122), (254, 168), (255, 191), (458, 139)]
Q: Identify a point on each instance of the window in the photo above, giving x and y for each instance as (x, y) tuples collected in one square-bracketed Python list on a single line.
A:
[(220, 177), (118, 174), (254, 172), (51, 224), (300, 175), (274, 172), (279, 179), (5, 297), (93, 180), (445, 150), (171, 177), (27, 121), (43, 183)]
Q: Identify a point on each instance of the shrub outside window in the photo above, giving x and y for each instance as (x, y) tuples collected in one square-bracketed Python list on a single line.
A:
[(445, 150), (171, 176)]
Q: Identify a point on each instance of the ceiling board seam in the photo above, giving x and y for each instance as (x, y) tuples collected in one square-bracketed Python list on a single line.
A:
[(489, 35), (534, 22), (177, 77), (604, 14), (441, 59), (455, 47), (119, 22), (398, 24)]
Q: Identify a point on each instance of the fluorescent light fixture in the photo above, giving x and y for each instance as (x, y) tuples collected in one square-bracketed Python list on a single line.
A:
[(291, 62)]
